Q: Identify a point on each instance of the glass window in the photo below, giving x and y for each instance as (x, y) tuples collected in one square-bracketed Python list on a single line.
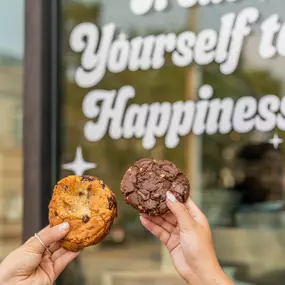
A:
[(219, 72), (11, 95)]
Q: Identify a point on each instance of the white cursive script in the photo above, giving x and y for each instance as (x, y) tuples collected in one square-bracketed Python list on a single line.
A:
[(103, 51), (109, 112)]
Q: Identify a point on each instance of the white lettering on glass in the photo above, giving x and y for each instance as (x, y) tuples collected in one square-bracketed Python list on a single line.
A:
[(174, 120)]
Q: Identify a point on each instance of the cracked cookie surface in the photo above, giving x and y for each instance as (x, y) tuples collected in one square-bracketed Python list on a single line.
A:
[(88, 205), (145, 183)]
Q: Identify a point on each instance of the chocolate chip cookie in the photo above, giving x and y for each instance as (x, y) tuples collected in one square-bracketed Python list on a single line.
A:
[(146, 182), (88, 205)]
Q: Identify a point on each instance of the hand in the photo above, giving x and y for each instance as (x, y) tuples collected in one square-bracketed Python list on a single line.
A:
[(187, 235), (32, 264)]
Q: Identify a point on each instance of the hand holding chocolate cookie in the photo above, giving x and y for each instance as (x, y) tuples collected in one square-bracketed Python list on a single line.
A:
[(147, 181), (186, 234)]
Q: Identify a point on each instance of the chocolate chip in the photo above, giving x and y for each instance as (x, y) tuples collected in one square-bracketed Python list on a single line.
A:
[(85, 219), (111, 202), (89, 188), (56, 214), (81, 193), (143, 195), (88, 178), (65, 187), (103, 185)]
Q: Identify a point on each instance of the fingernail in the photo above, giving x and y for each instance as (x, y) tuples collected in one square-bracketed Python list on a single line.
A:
[(143, 220), (64, 226), (171, 197)]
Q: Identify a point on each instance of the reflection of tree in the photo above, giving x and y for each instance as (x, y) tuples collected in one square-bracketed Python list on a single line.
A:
[(78, 13), (7, 59), (241, 83)]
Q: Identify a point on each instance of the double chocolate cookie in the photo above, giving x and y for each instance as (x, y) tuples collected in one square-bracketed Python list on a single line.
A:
[(146, 182), (88, 205)]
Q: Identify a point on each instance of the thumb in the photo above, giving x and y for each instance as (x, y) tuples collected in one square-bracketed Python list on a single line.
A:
[(181, 212), (48, 235)]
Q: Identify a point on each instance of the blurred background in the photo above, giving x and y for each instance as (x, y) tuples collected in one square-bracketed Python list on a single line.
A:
[(237, 179)]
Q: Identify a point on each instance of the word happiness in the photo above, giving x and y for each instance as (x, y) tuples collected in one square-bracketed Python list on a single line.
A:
[(109, 112), (103, 51)]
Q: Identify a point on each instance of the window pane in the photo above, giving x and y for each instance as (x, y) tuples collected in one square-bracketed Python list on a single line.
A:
[(222, 123), (11, 117)]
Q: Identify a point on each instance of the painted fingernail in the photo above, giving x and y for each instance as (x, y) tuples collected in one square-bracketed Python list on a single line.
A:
[(143, 219), (64, 226), (171, 197)]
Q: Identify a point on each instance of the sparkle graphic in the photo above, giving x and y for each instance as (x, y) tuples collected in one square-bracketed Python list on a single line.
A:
[(275, 141), (79, 165)]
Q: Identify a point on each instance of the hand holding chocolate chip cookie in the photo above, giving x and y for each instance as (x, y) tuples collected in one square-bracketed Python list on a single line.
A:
[(88, 205), (39, 261), (146, 182)]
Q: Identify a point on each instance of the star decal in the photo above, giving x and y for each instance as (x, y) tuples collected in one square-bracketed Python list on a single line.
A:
[(276, 141), (79, 165)]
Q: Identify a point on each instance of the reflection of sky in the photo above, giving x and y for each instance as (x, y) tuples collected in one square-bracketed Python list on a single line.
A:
[(266, 7), (119, 13), (208, 17), (176, 17), (12, 18), (12, 27)]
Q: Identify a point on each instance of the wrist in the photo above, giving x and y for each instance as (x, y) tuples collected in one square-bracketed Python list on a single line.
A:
[(212, 276), (218, 277), (4, 278), (221, 278)]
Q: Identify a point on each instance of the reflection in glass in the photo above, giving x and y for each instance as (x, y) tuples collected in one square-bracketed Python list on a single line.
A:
[(237, 179)]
